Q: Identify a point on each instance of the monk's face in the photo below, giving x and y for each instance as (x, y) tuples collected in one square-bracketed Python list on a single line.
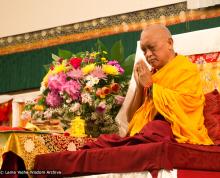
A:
[(156, 48)]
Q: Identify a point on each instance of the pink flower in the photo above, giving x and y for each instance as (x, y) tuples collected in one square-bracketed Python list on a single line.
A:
[(72, 88), (101, 108), (75, 62), (119, 99), (98, 72), (75, 74), (56, 81), (53, 99), (117, 65)]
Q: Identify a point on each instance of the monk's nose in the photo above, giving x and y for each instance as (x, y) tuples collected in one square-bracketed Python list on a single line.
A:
[(148, 53)]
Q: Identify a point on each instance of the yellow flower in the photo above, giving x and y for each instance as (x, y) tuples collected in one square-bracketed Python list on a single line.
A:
[(93, 55), (104, 59), (45, 79), (88, 68), (59, 68), (38, 107), (102, 96), (109, 69), (104, 52)]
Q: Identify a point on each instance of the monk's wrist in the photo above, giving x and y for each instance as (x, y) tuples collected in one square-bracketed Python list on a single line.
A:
[(148, 84)]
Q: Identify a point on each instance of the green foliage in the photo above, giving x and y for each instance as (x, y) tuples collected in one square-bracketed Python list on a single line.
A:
[(128, 65), (99, 46), (41, 101), (46, 67), (65, 54), (117, 51)]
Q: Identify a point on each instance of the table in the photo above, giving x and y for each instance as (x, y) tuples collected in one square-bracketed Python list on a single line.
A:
[(28, 144)]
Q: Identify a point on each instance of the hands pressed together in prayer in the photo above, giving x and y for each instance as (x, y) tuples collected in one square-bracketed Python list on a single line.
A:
[(142, 75)]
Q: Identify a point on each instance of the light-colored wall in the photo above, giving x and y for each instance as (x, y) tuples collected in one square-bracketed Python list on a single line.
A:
[(22, 16)]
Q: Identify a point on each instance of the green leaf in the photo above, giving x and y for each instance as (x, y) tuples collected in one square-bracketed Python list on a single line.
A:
[(46, 67), (100, 46), (117, 51), (81, 54), (65, 54), (55, 57), (128, 64), (41, 101)]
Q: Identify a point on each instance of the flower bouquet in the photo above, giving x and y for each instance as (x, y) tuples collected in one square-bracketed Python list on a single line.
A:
[(86, 84)]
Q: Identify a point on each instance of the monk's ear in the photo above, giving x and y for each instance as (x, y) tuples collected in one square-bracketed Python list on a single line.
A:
[(170, 43)]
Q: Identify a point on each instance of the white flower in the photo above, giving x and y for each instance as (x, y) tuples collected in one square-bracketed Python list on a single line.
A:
[(48, 114), (75, 107), (42, 88), (69, 100), (91, 81), (29, 145), (86, 98), (88, 77)]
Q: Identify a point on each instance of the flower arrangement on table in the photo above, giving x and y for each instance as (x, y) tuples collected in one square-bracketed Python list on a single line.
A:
[(86, 84)]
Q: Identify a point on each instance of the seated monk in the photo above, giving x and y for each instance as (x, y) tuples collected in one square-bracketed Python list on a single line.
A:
[(172, 92)]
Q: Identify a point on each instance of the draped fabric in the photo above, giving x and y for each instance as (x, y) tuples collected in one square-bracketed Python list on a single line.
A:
[(155, 131), (178, 96), (5, 111)]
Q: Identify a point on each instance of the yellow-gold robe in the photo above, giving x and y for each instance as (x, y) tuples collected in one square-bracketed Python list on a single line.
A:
[(178, 97)]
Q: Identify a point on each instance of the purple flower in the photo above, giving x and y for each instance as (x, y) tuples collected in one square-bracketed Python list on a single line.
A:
[(72, 88), (56, 81), (101, 108), (75, 74), (117, 65), (119, 99), (98, 72), (114, 62), (53, 99)]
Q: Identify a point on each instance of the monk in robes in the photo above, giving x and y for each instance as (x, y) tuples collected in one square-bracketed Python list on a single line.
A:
[(171, 92)]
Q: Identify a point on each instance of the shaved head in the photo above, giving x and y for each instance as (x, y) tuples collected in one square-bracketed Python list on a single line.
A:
[(157, 44), (157, 31), (158, 28)]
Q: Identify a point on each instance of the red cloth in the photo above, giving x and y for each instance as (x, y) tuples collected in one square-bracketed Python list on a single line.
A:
[(118, 159), (136, 158), (212, 115), (205, 58), (154, 151), (7, 128), (12, 163), (5, 111), (197, 174), (197, 157), (155, 131)]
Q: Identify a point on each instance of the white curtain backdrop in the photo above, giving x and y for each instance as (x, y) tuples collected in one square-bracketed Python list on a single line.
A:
[(195, 4)]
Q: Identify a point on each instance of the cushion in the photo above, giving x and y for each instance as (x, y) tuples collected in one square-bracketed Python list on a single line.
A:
[(212, 115)]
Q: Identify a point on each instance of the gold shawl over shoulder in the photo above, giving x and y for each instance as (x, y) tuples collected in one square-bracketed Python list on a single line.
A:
[(178, 96)]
